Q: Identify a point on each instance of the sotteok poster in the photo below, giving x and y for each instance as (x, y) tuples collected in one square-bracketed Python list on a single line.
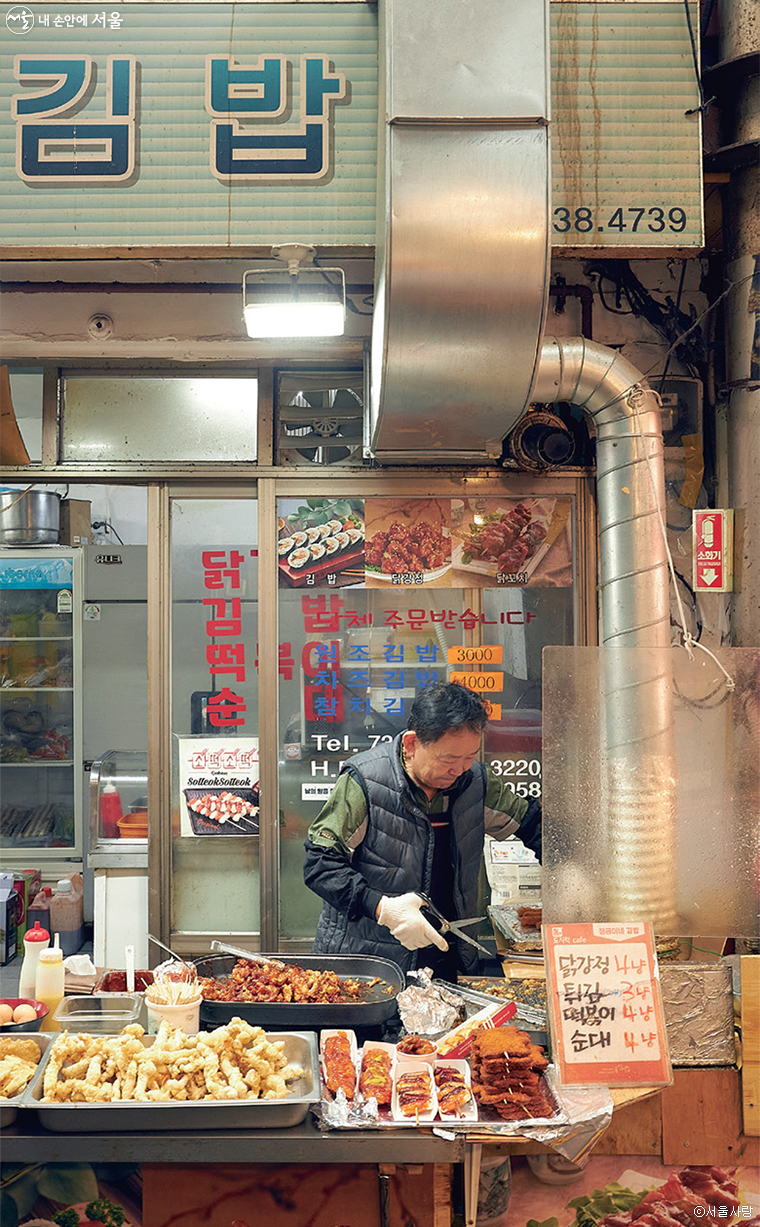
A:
[(219, 786)]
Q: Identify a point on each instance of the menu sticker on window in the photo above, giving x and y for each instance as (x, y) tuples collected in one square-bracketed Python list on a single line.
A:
[(605, 1009), (219, 786)]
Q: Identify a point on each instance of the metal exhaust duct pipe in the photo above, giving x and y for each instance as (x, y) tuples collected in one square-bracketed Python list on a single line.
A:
[(462, 252), (635, 612)]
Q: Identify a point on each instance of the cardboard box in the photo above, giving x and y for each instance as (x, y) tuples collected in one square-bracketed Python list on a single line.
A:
[(76, 522), (27, 883)]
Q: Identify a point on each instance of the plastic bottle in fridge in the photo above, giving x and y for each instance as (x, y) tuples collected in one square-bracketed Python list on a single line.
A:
[(35, 941), (49, 984)]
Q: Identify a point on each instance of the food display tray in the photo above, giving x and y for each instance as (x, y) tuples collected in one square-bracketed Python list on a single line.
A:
[(133, 1116), (377, 1007), (9, 1107)]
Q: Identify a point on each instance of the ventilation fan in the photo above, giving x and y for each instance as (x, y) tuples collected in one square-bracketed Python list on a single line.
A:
[(319, 424)]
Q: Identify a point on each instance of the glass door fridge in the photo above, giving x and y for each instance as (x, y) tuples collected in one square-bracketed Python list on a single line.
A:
[(40, 705)]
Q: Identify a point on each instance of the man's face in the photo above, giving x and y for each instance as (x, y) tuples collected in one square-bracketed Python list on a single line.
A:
[(438, 764)]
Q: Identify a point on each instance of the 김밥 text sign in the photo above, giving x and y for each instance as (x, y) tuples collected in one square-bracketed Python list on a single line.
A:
[(605, 1010)]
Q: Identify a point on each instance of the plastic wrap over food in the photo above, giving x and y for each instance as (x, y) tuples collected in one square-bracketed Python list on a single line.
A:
[(428, 1009), (698, 1002)]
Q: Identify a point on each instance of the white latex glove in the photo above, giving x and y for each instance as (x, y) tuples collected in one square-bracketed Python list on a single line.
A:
[(401, 914)]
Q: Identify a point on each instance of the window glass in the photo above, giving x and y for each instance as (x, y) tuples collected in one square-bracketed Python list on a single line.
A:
[(215, 851), (163, 417), (417, 591), (26, 402)]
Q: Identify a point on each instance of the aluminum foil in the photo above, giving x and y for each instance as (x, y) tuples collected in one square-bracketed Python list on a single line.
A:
[(429, 1009), (344, 1113), (698, 1004)]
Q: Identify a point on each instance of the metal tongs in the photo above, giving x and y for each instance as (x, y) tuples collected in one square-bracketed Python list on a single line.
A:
[(223, 948), (453, 926)]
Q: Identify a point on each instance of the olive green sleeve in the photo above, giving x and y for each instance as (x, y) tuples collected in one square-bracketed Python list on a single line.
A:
[(342, 820), (504, 810)]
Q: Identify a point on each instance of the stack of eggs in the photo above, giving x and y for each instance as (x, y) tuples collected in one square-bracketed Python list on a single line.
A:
[(18, 1012)]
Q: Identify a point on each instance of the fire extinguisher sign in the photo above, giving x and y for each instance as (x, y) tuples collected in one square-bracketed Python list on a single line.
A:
[(713, 551)]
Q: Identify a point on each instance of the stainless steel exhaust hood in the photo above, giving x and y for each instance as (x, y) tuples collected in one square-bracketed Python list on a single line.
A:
[(463, 226)]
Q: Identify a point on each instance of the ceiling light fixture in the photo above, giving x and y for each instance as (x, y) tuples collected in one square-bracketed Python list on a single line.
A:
[(293, 301)]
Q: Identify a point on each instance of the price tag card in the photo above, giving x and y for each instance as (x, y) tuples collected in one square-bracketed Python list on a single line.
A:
[(605, 1009)]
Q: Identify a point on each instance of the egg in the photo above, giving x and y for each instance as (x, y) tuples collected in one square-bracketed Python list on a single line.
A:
[(24, 1013), (6, 1014)]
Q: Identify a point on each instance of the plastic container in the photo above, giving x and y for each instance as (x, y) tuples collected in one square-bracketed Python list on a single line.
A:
[(185, 1016), (110, 812), (66, 914), (49, 985), (98, 1015), (134, 825), (39, 908), (35, 941)]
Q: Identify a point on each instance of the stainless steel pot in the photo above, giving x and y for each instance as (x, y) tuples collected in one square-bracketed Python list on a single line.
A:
[(32, 517)]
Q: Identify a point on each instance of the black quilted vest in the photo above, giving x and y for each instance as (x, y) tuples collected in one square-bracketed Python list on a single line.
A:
[(396, 854)]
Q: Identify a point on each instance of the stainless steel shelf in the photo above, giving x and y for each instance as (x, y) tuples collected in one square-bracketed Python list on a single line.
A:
[(26, 1142)]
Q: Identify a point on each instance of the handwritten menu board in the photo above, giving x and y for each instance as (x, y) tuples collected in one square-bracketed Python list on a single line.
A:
[(605, 1010)]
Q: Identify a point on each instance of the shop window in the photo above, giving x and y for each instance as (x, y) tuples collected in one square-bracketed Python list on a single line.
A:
[(23, 391), (385, 597), (215, 719)]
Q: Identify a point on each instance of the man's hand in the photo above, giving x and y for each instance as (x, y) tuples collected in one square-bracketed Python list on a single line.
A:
[(401, 914)]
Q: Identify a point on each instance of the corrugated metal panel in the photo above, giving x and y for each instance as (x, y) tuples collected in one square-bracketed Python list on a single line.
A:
[(623, 80), (623, 83)]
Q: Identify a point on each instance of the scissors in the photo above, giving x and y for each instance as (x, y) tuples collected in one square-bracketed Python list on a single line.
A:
[(453, 926)]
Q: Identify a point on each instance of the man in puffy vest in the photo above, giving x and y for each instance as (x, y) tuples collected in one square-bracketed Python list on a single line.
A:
[(406, 816)]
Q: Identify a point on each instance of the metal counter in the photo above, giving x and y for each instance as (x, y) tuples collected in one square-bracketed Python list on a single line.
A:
[(27, 1142)]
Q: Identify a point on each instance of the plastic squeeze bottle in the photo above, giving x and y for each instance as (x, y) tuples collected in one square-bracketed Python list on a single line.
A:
[(110, 812), (49, 985), (35, 941)]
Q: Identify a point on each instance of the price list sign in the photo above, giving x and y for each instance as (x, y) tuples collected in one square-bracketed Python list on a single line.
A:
[(605, 1008)]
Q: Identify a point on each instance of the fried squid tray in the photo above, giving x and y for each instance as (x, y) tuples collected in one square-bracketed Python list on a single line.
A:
[(324, 990)]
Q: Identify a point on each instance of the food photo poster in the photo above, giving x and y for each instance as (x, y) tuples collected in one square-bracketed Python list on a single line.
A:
[(413, 542), (218, 786)]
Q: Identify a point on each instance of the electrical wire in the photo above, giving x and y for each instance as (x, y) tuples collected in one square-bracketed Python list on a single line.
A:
[(695, 59), (673, 324), (634, 398), (98, 524), (351, 306)]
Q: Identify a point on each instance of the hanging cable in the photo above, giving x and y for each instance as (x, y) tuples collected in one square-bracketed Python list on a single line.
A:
[(635, 397), (703, 106)]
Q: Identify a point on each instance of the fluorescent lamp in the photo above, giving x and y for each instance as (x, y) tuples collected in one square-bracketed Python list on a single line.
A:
[(294, 301)]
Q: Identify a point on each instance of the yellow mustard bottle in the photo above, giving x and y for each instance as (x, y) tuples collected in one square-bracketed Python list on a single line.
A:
[(49, 983)]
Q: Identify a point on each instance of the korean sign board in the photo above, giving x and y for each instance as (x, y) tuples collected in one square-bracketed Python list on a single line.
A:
[(604, 1005), (224, 124)]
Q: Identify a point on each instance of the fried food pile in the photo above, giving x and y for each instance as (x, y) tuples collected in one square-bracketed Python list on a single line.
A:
[(375, 1077), (453, 1092), (506, 1073), (340, 1071), (19, 1059), (530, 917), (274, 981), (236, 1061), (414, 1092)]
